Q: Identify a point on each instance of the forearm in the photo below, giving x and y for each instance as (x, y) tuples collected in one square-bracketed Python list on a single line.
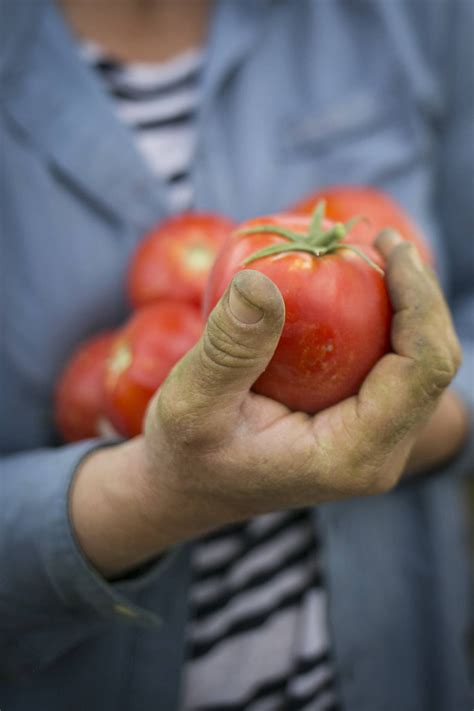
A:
[(121, 516), (442, 437)]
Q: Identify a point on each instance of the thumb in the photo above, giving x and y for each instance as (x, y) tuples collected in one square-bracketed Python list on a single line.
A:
[(239, 340)]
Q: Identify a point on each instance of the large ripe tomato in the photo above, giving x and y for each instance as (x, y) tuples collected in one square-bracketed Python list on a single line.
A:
[(338, 312), (378, 209), (79, 394), (174, 260), (143, 353)]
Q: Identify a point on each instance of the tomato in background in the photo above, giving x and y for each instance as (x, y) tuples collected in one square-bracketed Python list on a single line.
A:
[(378, 209), (338, 313), (79, 394), (174, 260), (156, 336)]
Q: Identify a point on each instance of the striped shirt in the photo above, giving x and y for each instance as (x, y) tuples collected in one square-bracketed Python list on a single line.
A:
[(257, 636), (159, 102)]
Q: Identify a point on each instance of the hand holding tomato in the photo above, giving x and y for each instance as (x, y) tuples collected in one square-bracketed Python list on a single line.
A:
[(217, 452), (338, 313)]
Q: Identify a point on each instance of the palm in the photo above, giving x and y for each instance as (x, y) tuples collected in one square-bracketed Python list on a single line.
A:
[(342, 438)]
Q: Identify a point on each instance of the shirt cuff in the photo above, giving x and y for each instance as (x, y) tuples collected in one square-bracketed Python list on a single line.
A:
[(76, 580)]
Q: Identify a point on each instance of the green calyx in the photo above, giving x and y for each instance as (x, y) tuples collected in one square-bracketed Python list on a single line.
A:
[(316, 241)]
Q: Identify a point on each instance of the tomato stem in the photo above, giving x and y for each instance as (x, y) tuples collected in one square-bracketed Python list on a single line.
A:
[(316, 224), (362, 255), (316, 241), (281, 248)]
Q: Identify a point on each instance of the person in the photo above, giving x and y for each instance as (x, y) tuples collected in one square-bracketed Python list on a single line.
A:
[(152, 573)]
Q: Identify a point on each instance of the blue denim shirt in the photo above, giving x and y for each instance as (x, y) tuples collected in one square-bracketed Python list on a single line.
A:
[(295, 96)]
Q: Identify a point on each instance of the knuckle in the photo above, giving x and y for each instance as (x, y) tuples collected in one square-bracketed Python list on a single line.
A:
[(443, 370), (171, 410), (429, 389), (186, 422), (182, 424), (434, 362), (225, 348), (438, 373), (175, 411)]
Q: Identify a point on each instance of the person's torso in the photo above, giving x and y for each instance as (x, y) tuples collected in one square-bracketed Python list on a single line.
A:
[(292, 100)]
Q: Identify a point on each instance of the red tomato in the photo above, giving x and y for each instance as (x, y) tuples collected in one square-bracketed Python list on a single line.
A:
[(338, 314), (378, 209), (79, 395), (144, 351), (174, 260)]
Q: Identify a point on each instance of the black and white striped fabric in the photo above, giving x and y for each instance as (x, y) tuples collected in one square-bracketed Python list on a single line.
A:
[(257, 637), (159, 102)]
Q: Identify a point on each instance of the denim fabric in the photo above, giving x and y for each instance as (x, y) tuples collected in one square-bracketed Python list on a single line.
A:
[(295, 96)]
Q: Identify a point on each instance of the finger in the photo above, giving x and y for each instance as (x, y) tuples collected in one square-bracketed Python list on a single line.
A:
[(406, 276), (372, 433), (402, 389), (415, 290), (240, 338), (386, 240), (422, 322)]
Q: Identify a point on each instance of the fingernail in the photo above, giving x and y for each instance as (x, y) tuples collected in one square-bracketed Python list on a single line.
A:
[(241, 308), (388, 238)]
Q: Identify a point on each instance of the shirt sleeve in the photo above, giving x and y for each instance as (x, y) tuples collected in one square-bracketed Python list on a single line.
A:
[(456, 179), (51, 598), (455, 194)]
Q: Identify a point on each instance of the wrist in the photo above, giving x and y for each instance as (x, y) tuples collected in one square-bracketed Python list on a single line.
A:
[(105, 509), (122, 515)]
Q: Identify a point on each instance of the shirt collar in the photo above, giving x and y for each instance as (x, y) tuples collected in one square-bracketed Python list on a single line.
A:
[(54, 98)]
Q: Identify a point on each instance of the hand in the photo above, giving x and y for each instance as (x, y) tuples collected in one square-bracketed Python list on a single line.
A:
[(218, 452), (214, 452)]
